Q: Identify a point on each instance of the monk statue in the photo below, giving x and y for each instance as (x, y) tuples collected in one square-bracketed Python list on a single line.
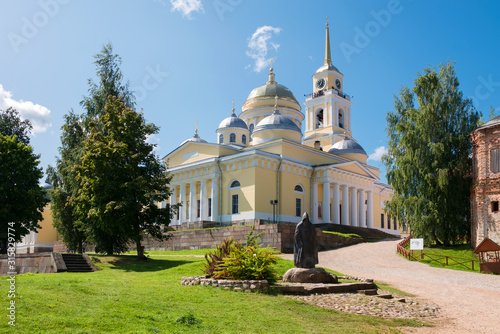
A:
[(305, 252)]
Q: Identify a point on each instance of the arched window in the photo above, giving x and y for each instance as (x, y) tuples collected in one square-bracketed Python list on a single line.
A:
[(244, 139), (319, 119), (341, 118), (298, 188), (221, 138), (235, 184), (232, 138)]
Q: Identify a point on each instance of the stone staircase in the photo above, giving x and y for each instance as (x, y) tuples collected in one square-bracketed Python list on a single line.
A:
[(75, 263)]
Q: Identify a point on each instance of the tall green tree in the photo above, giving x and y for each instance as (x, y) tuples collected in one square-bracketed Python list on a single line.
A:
[(66, 219), (21, 198), (428, 163), (75, 228), (121, 179), (11, 124)]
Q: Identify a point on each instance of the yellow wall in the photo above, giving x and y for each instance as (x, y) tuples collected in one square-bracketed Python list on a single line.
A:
[(47, 232)]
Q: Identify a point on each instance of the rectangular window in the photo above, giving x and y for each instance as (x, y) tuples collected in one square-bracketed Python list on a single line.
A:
[(235, 204), (178, 213), (210, 207), (382, 220), (389, 223), (395, 223), (495, 160), (198, 204), (340, 211), (187, 210), (494, 206), (298, 207), (320, 210)]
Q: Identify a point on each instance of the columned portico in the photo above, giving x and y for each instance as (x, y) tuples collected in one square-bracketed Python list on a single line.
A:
[(314, 205), (336, 204), (173, 200), (361, 208), (326, 202), (192, 202), (183, 202), (215, 199), (345, 205), (203, 200), (369, 205), (354, 207)]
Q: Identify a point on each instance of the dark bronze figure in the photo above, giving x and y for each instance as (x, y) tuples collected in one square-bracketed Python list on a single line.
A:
[(305, 247)]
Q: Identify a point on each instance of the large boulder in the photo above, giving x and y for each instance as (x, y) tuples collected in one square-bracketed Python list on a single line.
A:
[(309, 275)]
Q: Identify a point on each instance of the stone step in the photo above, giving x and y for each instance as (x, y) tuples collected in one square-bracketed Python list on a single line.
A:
[(76, 263), (386, 296), (369, 292)]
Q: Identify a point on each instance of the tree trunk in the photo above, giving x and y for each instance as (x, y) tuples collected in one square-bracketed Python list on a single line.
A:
[(140, 249)]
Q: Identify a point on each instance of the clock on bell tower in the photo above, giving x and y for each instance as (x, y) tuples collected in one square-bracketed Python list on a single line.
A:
[(328, 108)]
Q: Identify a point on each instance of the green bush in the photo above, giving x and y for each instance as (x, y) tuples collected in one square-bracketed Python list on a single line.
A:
[(247, 263), (214, 258)]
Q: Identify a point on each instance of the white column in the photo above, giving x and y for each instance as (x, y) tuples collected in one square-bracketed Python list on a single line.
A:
[(326, 202), (362, 209), (182, 200), (173, 199), (354, 206), (192, 200), (336, 203), (314, 204), (215, 199), (369, 204), (345, 205), (203, 200)]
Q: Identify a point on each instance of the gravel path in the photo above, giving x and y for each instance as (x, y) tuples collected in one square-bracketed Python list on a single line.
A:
[(468, 302)]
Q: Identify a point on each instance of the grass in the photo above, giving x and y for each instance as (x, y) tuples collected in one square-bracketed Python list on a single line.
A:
[(388, 288), (345, 235), (463, 252), (127, 296), (186, 252)]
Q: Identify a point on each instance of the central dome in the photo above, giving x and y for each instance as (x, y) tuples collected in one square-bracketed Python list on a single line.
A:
[(270, 90)]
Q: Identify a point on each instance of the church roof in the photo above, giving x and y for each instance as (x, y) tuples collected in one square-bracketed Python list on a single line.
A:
[(232, 121), (346, 146), (196, 138), (276, 121), (492, 122), (271, 90)]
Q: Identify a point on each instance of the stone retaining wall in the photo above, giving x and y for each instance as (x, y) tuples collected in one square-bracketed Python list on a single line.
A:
[(29, 263), (246, 285)]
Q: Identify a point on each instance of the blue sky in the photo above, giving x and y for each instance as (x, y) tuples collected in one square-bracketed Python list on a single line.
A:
[(188, 59)]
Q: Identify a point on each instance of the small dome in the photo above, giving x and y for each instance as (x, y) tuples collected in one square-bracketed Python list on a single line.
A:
[(46, 185), (347, 146), (196, 139), (233, 121), (276, 121)]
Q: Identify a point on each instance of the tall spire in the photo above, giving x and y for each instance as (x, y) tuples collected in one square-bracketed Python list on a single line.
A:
[(328, 57)]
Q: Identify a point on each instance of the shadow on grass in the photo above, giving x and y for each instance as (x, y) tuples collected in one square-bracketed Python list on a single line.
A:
[(129, 263)]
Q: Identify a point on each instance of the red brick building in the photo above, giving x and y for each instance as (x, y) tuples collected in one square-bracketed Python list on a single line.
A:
[(485, 196)]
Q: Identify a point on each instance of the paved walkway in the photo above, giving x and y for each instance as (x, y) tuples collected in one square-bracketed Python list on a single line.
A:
[(469, 302)]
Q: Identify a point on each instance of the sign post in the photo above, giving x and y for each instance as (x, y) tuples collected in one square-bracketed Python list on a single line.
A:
[(416, 244)]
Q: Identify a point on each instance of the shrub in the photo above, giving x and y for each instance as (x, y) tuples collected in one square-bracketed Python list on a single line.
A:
[(214, 258), (247, 263)]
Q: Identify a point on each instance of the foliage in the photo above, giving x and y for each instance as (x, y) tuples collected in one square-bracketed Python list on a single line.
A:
[(428, 163), (248, 263), (66, 219), (12, 125), (121, 179), (251, 239), (188, 319), (21, 198), (215, 257)]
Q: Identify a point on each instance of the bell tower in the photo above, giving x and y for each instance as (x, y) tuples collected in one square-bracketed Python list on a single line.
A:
[(328, 108)]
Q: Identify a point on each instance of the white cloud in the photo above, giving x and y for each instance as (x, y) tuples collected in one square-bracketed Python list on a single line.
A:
[(258, 46), (38, 115), (377, 155), (186, 7), (153, 139)]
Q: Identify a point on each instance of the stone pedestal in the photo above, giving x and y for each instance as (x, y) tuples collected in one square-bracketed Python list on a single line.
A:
[(309, 275)]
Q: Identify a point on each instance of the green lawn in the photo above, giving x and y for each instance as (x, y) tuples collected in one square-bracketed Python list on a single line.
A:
[(463, 253), (127, 296)]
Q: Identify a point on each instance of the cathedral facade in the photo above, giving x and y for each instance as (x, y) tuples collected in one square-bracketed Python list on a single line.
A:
[(261, 165)]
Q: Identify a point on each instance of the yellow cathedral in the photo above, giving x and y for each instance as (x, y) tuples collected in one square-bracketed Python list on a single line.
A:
[(262, 167)]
